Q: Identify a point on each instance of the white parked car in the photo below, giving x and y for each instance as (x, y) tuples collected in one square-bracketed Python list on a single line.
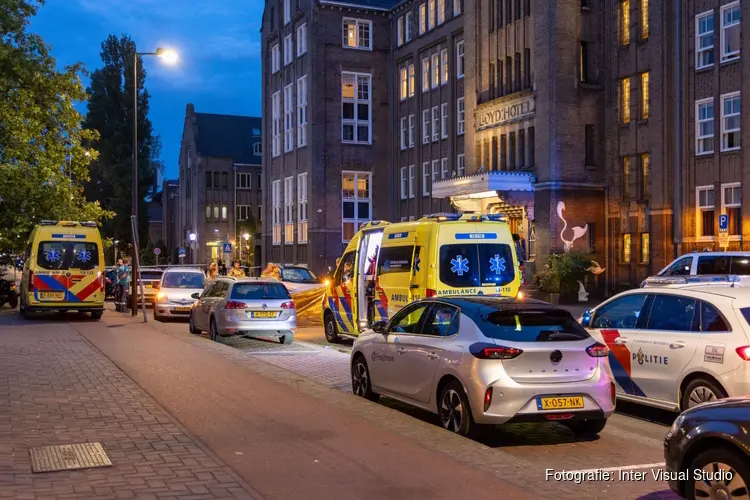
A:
[(710, 263), (679, 344), (177, 286)]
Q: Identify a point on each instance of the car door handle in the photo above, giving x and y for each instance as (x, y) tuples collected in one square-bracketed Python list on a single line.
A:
[(621, 340), (400, 350), (432, 355), (677, 345)]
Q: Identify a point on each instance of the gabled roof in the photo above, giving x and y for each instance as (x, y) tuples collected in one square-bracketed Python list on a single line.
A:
[(228, 136), (365, 4)]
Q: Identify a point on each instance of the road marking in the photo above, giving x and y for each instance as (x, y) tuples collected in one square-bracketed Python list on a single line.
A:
[(622, 467), (284, 353)]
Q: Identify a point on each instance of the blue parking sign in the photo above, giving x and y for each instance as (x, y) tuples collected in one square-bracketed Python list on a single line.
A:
[(181, 252), (723, 222), (227, 248)]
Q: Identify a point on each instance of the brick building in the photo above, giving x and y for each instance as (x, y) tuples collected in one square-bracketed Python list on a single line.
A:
[(221, 183), (563, 115), (171, 232)]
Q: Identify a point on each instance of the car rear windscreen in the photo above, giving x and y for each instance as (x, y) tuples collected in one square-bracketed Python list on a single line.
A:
[(151, 275), (259, 291), (476, 264), (64, 255), (532, 326), (183, 280)]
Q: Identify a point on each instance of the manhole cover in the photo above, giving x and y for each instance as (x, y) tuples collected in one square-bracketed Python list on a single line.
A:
[(68, 457)]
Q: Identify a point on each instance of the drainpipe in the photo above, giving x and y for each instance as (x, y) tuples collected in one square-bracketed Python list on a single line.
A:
[(677, 204), (607, 270)]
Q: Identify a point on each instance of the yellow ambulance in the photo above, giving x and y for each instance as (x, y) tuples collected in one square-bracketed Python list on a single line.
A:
[(388, 265), (63, 269)]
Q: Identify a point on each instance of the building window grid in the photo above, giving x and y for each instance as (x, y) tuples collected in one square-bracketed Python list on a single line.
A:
[(444, 120), (403, 135), (626, 248), (276, 124), (408, 27), (731, 203), (644, 19), (404, 87), (276, 212), (625, 22), (275, 58), (645, 177), (435, 70), (457, 8), (460, 165), (412, 126), (435, 124), (411, 80), (425, 74), (625, 100), (356, 112), (444, 66), (404, 183), (730, 122), (444, 168), (426, 179), (243, 212), (288, 118), (426, 126), (705, 206), (431, 19), (704, 40), (302, 208), (301, 39), (460, 59), (357, 34), (244, 180), (730, 32), (302, 111), (441, 12), (288, 210), (626, 178), (288, 50), (412, 180), (422, 18), (704, 124), (435, 169), (400, 31), (645, 248), (287, 12), (460, 118)]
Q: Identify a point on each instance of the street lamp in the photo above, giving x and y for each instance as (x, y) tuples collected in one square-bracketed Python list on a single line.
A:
[(169, 56)]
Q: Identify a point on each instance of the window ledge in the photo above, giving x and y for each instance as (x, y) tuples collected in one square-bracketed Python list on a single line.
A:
[(590, 167), (731, 151), (705, 239), (585, 8), (706, 154), (590, 86), (730, 61), (643, 121)]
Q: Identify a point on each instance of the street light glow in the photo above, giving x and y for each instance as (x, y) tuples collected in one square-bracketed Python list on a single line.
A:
[(246, 236), (192, 236), (169, 56)]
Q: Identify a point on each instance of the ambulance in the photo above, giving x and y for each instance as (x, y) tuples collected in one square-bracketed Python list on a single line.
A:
[(63, 269), (388, 265)]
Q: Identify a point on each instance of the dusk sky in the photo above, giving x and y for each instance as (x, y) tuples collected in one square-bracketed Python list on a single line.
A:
[(218, 42)]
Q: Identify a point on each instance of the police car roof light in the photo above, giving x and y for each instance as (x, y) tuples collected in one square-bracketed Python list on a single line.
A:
[(444, 216), (688, 280)]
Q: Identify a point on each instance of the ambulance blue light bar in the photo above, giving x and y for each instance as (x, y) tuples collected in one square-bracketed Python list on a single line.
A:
[(495, 217), (48, 223), (690, 280), (444, 216)]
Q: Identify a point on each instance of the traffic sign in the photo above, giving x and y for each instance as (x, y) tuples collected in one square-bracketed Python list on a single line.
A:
[(181, 252), (227, 248), (157, 251), (723, 222)]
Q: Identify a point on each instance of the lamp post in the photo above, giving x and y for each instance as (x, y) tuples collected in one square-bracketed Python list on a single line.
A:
[(170, 57), (246, 237)]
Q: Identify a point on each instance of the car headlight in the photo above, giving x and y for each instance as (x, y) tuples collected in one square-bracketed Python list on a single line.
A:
[(677, 423), (161, 296)]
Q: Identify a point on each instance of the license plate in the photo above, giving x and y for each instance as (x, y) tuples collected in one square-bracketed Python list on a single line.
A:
[(147, 285), (182, 309), (262, 314), (51, 295), (560, 403)]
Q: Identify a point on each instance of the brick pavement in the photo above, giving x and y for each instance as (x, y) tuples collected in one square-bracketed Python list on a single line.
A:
[(55, 388)]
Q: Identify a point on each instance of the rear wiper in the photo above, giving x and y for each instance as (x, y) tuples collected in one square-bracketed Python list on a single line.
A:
[(548, 335)]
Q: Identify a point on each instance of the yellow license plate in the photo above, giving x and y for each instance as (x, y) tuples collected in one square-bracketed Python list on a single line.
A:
[(181, 309), (147, 285), (560, 403), (262, 314), (51, 295)]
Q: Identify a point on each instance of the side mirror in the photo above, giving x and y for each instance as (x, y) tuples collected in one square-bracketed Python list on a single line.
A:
[(196, 296), (586, 319), (379, 327)]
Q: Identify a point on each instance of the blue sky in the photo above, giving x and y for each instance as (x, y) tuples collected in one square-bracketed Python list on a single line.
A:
[(218, 41)]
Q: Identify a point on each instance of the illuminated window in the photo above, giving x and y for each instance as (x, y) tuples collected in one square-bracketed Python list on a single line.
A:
[(404, 83), (356, 117), (626, 178), (644, 96), (224, 212), (731, 200), (288, 210), (357, 34), (435, 70), (625, 100), (444, 65), (411, 80), (644, 19), (706, 211), (276, 212), (645, 168), (626, 244), (460, 116), (645, 247), (302, 208), (422, 18), (625, 22), (425, 74)]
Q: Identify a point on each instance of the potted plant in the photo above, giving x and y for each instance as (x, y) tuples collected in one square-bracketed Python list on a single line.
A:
[(571, 269), (548, 282)]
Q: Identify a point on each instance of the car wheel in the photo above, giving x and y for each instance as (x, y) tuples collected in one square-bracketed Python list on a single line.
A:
[(13, 303), (332, 333), (213, 330), (96, 315), (191, 325), (700, 391), (286, 339), (590, 427), (454, 410), (361, 383), (714, 463)]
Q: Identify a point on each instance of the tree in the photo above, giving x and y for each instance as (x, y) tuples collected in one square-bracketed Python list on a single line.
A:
[(247, 249), (110, 112), (43, 161)]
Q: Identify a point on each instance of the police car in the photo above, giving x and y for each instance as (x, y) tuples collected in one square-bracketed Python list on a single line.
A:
[(677, 342)]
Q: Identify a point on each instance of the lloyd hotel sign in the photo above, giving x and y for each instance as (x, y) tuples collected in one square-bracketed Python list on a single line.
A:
[(505, 112)]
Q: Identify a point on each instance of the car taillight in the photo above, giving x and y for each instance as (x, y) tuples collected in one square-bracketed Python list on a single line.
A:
[(498, 352), (487, 398), (233, 304), (430, 293), (597, 350), (288, 305), (613, 392), (744, 352)]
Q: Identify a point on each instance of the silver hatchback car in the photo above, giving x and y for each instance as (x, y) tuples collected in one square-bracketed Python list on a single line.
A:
[(244, 306), (487, 360), (177, 286)]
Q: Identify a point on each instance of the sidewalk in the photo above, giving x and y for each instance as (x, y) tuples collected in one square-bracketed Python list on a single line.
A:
[(56, 389)]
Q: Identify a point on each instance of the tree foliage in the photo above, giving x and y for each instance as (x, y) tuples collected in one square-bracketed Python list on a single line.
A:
[(110, 113), (43, 161)]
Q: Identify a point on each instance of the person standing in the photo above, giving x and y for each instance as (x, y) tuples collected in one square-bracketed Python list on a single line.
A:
[(123, 283), (236, 271), (213, 271)]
